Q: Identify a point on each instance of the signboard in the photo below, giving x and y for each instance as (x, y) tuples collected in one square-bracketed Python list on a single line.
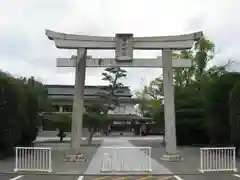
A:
[(124, 47)]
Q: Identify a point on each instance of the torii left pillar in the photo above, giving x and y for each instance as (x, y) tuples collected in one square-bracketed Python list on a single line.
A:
[(78, 108), (169, 108)]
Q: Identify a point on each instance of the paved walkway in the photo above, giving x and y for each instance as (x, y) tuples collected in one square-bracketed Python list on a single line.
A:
[(133, 158)]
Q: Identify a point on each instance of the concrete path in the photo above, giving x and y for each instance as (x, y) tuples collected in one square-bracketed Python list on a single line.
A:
[(132, 158)]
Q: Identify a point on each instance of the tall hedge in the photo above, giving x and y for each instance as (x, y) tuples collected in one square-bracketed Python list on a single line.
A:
[(19, 109), (234, 115), (217, 106), (11, 99)]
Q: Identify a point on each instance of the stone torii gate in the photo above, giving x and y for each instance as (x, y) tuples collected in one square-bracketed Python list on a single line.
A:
[(124, 44)]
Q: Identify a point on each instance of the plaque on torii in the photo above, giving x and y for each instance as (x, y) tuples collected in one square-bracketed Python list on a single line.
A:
[(124, 48)]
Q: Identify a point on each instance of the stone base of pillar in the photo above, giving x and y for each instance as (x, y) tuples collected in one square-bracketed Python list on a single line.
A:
[(75, 157), (171, 157)]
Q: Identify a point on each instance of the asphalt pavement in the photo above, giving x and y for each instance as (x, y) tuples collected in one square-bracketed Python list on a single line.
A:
[(75, 177), (189, 165), (39, 177), (187, 169), (208, 176)]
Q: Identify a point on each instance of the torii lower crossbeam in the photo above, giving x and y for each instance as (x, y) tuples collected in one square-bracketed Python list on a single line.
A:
[(135, 63)]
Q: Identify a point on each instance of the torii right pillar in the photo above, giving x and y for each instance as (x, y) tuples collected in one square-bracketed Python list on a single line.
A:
[(169, 108)]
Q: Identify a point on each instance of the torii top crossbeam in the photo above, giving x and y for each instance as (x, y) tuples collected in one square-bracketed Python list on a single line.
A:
[(71, 41)]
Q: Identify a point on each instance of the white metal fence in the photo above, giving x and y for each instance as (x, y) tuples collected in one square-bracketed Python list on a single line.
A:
[(126, 159), (217, 159), (33, 159)]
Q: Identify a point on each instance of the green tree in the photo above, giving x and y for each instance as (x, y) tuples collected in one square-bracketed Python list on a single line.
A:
[(182, 77), (62, 122), (201, 54), (113, 75), (234, 113), (146, 102), (10, 104), (36, 101), (204, 51), (191, 86), (97, 112), (217, 107), (95, 120), (44, 103), (19, 111), (30, 116)]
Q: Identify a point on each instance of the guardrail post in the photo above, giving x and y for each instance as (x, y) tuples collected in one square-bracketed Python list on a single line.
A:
[(33, 159), (122, 157), (218, 159)]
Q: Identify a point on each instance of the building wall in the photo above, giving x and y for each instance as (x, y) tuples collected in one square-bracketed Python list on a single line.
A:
[(122, 109), (62, 101), (62, 98), (88, 90)]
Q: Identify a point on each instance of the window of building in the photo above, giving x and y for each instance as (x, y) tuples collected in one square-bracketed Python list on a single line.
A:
[(120, 91), (120, 109), (55, 108), (128, 122), (64, 109), (117, 122), (67, 109), (85, 108), (123, 109), (117, 110)]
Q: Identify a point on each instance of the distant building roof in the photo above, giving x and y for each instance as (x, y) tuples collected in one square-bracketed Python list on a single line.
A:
[(68, 90), (72, 86)]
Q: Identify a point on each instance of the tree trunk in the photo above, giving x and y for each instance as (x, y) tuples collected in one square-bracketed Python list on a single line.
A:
[(164, 142), (90, 136), (237, 151), (61, 135)]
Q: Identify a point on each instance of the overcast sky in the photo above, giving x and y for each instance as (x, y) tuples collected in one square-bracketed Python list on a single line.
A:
[(26, 51)]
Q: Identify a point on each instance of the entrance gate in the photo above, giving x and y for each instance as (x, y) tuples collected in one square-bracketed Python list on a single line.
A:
[(124, 44)]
